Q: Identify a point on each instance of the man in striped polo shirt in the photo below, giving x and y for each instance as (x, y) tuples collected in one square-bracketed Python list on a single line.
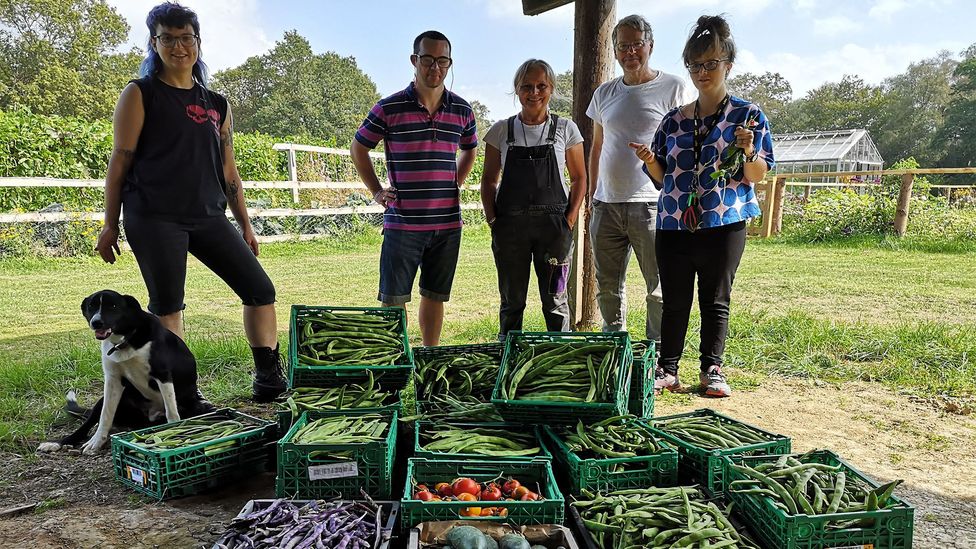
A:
[(423, 127)]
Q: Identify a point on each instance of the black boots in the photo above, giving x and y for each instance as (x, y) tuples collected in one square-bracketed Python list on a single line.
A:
[(269, 378)]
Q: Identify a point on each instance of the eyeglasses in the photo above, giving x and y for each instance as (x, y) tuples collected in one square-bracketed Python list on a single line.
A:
[(710, 65), (169, 41), (633, 46), (427, 61), (529, 88)]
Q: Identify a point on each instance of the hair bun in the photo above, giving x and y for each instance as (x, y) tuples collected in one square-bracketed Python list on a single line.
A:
[(713, 24)]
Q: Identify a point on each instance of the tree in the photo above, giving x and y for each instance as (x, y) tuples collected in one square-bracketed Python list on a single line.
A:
[(561, 102), (769, 90), (60, 57), (481, 118), (847, 104), (292, 91), (958, 132), (914, 106)]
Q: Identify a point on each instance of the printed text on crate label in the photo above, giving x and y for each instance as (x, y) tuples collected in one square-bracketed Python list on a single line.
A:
[(137, 475), (333, 470)]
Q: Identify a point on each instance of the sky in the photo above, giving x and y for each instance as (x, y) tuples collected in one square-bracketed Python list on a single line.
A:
[(809, 42)]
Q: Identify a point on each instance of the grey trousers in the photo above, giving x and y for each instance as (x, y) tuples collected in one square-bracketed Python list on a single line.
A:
[(615, 230)]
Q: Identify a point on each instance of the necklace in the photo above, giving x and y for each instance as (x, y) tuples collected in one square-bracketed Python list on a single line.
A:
[(542, 135)]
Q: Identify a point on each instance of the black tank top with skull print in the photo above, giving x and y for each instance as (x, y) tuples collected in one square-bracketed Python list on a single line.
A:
[(177, 172)]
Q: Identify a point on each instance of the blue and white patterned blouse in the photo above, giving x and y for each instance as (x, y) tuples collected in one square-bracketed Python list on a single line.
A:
[(725, 200)]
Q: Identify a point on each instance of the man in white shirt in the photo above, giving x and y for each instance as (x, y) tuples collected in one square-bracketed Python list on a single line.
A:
[(624, 200)]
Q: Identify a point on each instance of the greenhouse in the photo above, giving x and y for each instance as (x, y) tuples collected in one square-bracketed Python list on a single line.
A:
[(827, 151)]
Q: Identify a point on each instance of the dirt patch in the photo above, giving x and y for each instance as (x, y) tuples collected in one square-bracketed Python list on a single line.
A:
[(885, 434)]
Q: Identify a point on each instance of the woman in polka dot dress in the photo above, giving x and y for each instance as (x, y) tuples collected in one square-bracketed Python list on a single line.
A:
[(706, 157)]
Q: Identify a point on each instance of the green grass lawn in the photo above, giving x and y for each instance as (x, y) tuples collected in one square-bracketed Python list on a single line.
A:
[(900, 316)]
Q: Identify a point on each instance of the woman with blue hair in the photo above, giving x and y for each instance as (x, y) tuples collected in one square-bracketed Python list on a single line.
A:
[(172, 170)]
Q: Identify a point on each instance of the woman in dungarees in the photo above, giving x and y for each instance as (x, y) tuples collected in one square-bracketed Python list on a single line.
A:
[(172, 170), (532, 211)]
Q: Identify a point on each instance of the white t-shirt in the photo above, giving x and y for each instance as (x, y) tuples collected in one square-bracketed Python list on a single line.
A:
[(567, 136), (631, 114)]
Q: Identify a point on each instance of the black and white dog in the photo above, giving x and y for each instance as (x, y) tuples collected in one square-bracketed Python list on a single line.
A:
[(150, 375)]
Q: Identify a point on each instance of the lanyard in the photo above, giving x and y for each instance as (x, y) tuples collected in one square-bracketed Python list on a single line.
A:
[(702, 130)]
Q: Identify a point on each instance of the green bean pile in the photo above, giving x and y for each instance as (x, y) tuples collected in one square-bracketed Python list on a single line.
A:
[(798, 485), (337, 339), (486, 441), (711, 433), (343, 430), (466, 374), (448, 408), (567, 372), (193, 431), (657, 517), (639, 348), (615, 437), (337, 398)]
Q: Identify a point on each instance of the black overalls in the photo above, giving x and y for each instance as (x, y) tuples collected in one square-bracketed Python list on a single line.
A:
[(530, 228)]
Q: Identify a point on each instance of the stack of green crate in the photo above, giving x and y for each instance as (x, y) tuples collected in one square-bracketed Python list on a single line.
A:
[(336, 470), (453, 378), (889, 528), (191, 469), (613, 473), (641, 402), (555, 412), (707, 466), (536, 474), (305, 372)]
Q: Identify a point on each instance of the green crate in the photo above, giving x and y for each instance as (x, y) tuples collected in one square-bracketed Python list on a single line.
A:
[(707, 467), (163, 474), (550, 510), (893, 528), (423, 354), (285, 420), (596, 475), (395, 376), (641, 400), (563, 413), (372, 470), (424, 426)]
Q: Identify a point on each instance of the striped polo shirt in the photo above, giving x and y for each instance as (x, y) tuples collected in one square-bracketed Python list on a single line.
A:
[(421, 157)]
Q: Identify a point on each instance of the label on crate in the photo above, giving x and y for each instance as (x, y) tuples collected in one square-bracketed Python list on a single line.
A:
[(865, 546), (137, 475), (342, 469)]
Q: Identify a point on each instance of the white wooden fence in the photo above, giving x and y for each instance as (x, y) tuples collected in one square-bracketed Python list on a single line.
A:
[(292, 184)]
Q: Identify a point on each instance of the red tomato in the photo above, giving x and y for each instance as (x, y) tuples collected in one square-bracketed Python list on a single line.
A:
[(423, 495), (444, 489), (521, 491), (510, 486), (529, 496), (421, 488), (466, 485), (491, 493)]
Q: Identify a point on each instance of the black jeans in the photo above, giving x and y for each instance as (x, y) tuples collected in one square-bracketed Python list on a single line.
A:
[(713, 255)]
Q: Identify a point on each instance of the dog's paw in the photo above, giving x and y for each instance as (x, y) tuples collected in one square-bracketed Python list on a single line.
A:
[(93, 446), (46, 447)]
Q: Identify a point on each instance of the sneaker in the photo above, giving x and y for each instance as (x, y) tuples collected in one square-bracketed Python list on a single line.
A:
[(664, 380), (713, 382)]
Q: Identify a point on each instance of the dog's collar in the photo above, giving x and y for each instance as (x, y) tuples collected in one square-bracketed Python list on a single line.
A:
[(118, 346)]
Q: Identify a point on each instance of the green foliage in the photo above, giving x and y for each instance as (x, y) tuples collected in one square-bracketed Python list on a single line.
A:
[(561, 102), (293, 91), (832, 215), (771, 91), (60, 57), (257, 160), (959, 131), (849, 103)]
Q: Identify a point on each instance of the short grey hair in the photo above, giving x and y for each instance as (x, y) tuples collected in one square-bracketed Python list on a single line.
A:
[(637, 23), (530, 64)]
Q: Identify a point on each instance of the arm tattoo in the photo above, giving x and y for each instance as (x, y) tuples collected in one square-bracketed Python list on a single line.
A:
[(125, 156), (233, 188)]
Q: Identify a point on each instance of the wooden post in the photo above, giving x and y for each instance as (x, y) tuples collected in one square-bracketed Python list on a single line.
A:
[(779, 189), (293, 173), (806, 193), (593, 66), (766, 228), (904, 202)]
